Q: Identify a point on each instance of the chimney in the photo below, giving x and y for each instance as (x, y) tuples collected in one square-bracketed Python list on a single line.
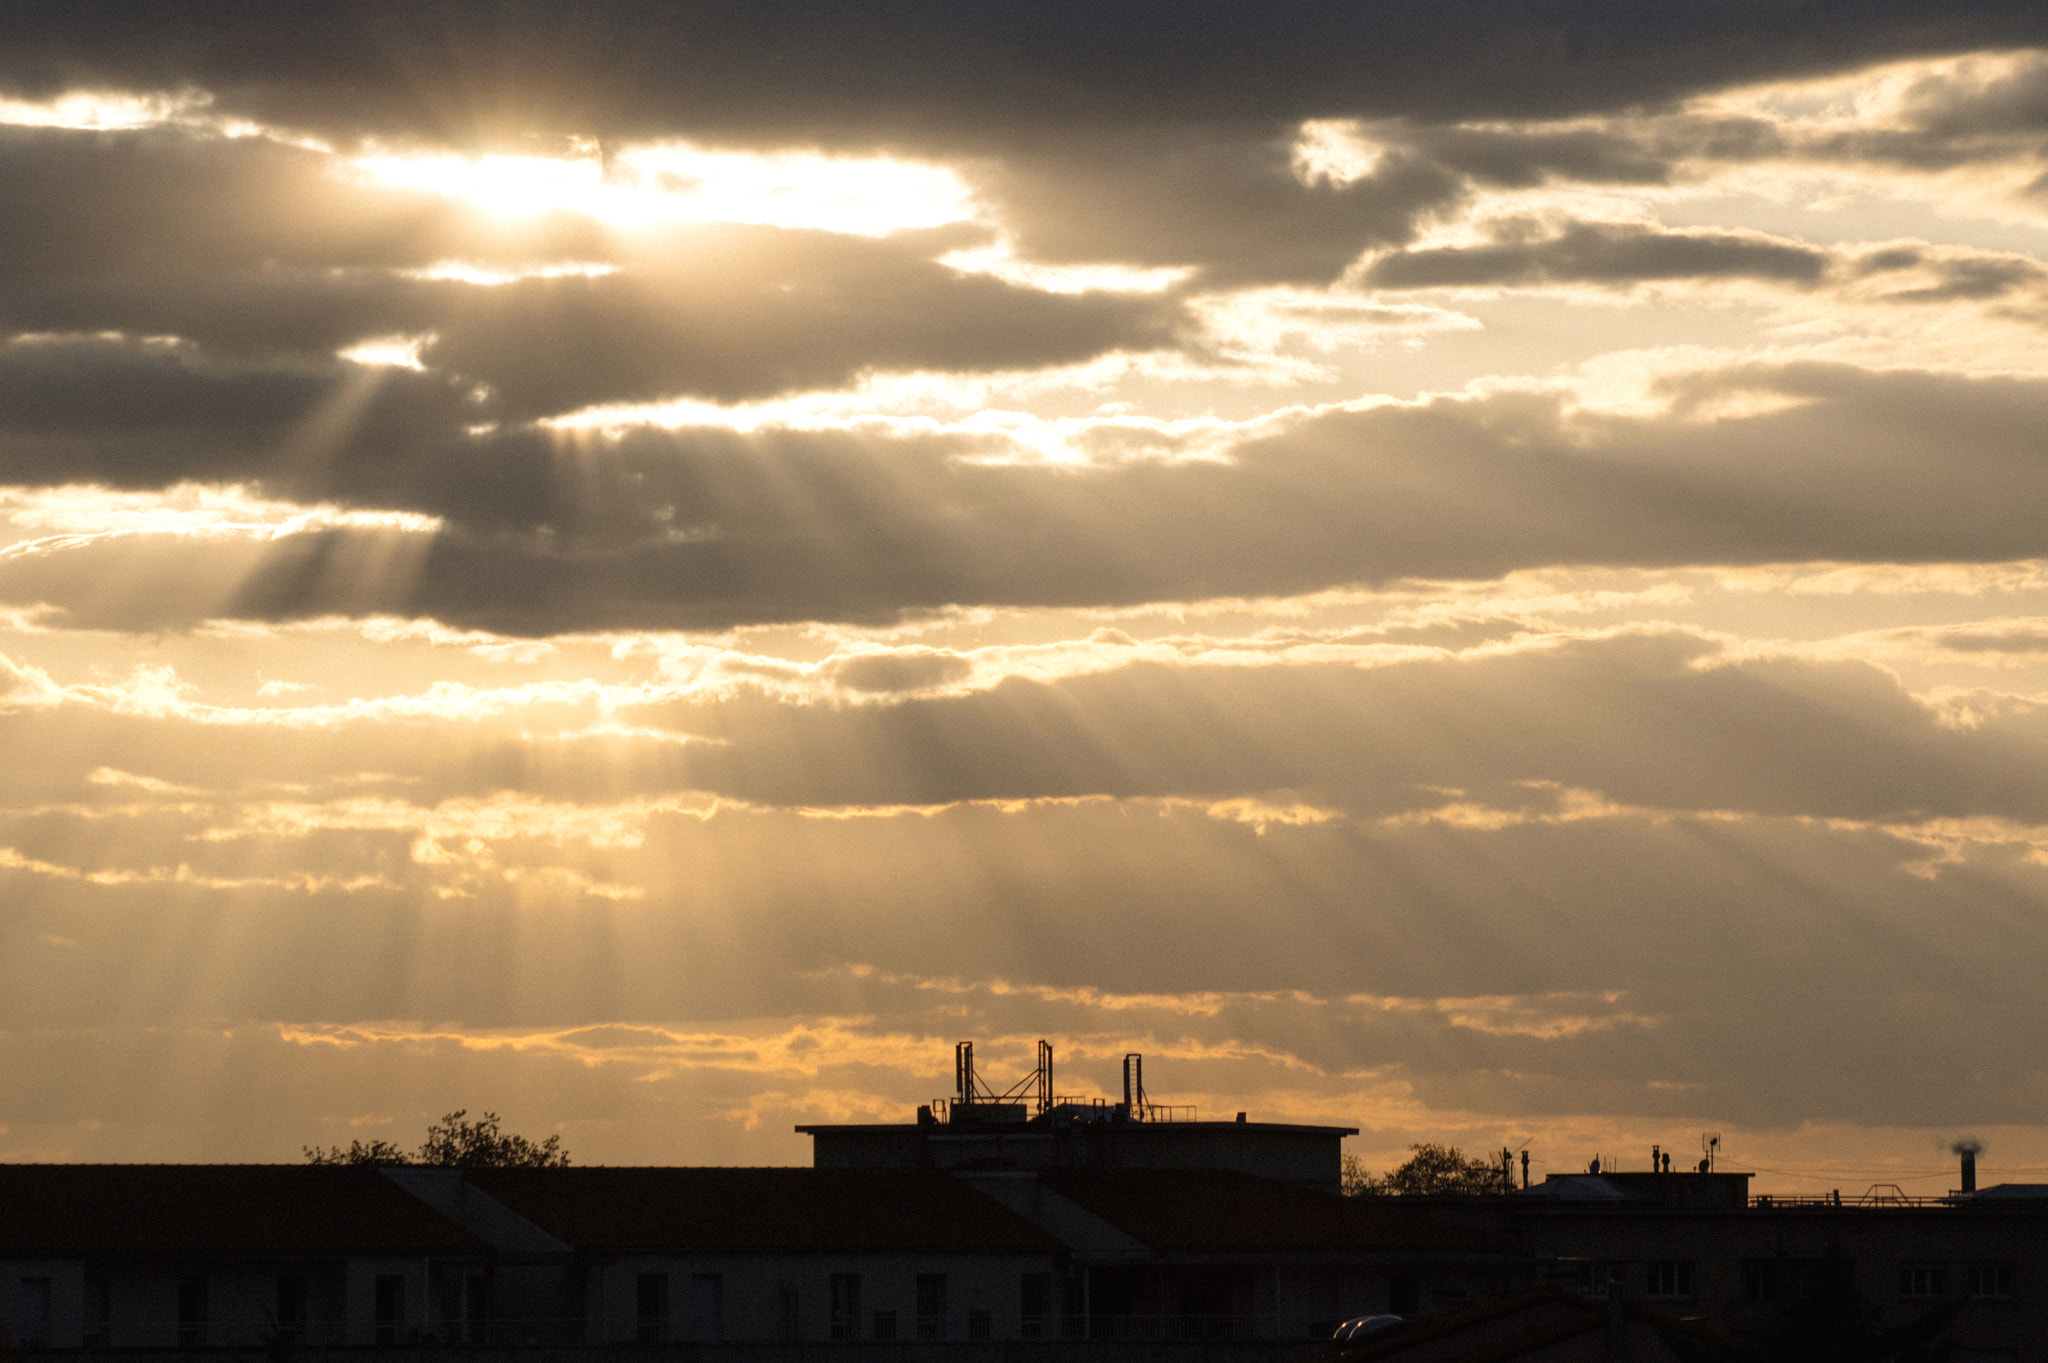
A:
[(1969, 1147)]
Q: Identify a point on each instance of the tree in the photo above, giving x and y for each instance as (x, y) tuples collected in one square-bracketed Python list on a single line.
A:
[(454, 1143), (376, 1152), (1428, 1169)]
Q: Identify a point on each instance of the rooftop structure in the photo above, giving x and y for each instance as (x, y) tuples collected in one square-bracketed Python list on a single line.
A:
[(1030, 1125)]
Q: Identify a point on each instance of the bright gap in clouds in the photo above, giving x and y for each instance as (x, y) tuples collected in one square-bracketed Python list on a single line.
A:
[(671, 182), (109, 110)]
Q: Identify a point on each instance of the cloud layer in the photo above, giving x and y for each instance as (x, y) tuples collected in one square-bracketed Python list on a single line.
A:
[(1466, 574)]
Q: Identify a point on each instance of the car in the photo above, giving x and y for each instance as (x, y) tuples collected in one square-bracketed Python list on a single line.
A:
[(1358, 1327)]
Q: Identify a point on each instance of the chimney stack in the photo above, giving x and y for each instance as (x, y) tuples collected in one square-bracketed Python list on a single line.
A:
[(1968, 1148)]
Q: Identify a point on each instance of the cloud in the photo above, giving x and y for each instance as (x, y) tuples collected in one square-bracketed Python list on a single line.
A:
[(915, 670), (1436, 569), (1603, 254), (628, 66), (705, 529)]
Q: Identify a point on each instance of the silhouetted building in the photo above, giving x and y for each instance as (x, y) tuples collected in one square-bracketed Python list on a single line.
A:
[(1031, 1126)]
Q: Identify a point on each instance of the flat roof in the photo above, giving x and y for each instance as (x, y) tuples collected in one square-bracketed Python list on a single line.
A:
[(813, 1128)]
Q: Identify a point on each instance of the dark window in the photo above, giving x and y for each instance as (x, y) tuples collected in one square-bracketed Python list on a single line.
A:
[(290, 1317), (651, 1308), (476, 1308), (35, 1312), (96, 1311), (576, 1302), (885, 1325), (791, 1320), (1669, 1278), (1920, 1280), (931, 1306), (1593, 1281), (846, 1306), (1760, 1280), (1991, 1282), (979, 1325), (707, 1306), (390, 1309), (1074, 1318), (1034, 1303), (191, 1313)]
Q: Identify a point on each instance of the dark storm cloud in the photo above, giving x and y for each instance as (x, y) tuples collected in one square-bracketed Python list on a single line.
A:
[(1595, 253), (706, 529), (131, 413), (462, 70), (265, 252), (1513, 158), (1223, 200), (1948, 120), (742, 312)]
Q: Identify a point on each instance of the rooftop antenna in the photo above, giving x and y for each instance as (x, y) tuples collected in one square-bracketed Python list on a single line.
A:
[(963, 1072), (1045, 1092), (1710, 1143), (1134, 1086)]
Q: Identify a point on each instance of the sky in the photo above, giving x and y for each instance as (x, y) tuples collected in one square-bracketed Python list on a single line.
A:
[(1478, 572)]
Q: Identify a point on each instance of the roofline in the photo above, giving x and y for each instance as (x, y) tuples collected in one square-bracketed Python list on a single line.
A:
[(1025, 1128)]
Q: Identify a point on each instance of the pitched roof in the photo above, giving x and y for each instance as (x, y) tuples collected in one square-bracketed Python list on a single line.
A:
[(216, 1209), (1199, 1210), (790, 1209)]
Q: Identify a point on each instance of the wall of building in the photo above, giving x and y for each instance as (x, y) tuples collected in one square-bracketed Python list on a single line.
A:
[(765, 1297), (1730, 1256), (1291, 1154)]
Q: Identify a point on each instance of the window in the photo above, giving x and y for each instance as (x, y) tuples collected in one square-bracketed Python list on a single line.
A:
[(96, 1311), (476, 1308), (789, 1319), (1034, 1303), (846, 1306), (192, 1313), (707, 1306), (575, 1302), (931, 1306), (1920, 1281), (35, 1312), (1761, 1280), (885, 1325), (1991, 1282), (290, 1316), (650, 1308), (1669, 1278), (390, 1309), (978, 1324), (1593, 1280)]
